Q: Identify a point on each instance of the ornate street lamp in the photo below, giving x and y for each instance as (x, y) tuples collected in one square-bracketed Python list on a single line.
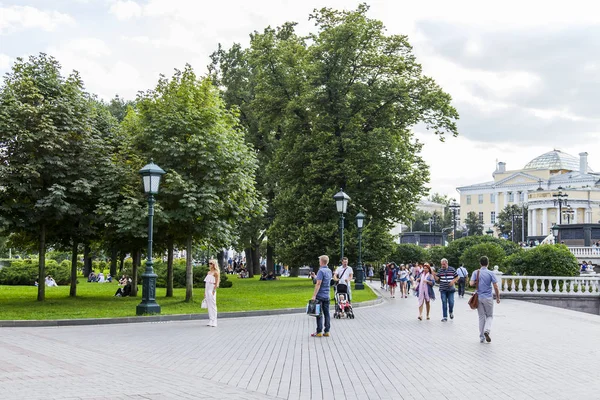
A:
[(358, 283), (569, 213), (454, 207), (555, 232), (341, 203), (560, 198), (151, 175), (489, 231)]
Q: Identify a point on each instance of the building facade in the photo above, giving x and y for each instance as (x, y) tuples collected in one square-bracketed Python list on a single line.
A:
[(537, 186)]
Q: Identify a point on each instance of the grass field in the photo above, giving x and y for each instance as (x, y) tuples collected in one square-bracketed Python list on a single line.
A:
[(96, 300)]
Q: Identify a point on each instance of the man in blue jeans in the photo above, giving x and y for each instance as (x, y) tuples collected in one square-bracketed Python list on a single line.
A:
[(321, 293), (447, 277)]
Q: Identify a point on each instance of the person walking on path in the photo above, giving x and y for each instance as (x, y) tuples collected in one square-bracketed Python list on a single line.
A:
[(344, 274), (463, 274), (392, 274), (447, 277), (370, 273), (321, 293), (382, 271), (484, 279), (424, 287), (211, 283), (403, 281)]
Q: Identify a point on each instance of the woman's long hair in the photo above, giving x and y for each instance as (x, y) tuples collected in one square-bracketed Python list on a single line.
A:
[(214, 267)]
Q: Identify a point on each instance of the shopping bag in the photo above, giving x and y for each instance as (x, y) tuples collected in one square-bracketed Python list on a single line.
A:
[(203, 305), (313, 308)]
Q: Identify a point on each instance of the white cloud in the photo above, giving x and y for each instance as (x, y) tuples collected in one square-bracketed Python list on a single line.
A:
[(125, 10), (17, 18), (5, 62)]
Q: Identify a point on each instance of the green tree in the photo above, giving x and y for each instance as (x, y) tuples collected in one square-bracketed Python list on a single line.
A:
[(457, 247), (406, 253), (209, 187), (511, 217), (494, 252), (45, 122), (544, 260), (340, 104), (474, 224)]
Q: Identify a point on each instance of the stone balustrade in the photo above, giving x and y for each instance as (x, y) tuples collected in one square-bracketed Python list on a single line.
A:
[(585, 252), (580, 286)]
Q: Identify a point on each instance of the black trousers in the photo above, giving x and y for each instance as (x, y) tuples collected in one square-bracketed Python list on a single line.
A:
[(461, 286)]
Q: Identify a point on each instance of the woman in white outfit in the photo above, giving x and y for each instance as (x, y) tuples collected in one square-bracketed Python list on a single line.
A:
[(211, 283)]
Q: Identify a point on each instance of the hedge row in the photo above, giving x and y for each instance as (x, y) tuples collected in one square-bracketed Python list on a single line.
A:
[(544, 260), (25, 272)]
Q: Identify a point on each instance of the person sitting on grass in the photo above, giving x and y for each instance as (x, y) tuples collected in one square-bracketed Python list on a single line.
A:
[(125, 291), (50, 282), (92, 277), (271, 276)]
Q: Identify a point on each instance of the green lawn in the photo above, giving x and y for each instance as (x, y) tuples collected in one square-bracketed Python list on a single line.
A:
[(96, 300)]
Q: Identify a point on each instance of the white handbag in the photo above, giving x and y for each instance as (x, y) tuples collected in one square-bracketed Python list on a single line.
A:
[(203, 305)]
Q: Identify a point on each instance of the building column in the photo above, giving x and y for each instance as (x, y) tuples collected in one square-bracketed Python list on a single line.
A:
[(575, 216), (505, 195), (533, 222), (544, 222), (496, 205)]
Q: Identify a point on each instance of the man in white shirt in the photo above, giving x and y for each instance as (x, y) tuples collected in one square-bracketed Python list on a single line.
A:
[(463, 274), (344, 274)]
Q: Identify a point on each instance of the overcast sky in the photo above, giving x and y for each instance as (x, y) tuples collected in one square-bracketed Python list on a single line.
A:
[(524, 75)]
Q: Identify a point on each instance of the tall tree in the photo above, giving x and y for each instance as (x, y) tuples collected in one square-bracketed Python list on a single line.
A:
[(45, 119), (474, 224), (340, 105), (209, 189), (512, 218)]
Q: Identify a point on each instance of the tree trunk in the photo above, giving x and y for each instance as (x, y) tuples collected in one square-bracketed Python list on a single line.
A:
[(221, 260), (73, 290), (121, 262), (42, 267), (270, 261), (256, 259), (113, 261), (189, 273), (87, 260), (170, 268), (249, 262), (136, 259)]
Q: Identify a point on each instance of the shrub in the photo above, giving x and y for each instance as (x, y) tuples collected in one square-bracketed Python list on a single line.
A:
[(199, 273), (434, 254), (457, 247), (25, 272), (495, 253), (544, 260), (406, 252)]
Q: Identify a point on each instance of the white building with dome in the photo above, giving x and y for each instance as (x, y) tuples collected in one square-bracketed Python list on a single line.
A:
[(534, 186)]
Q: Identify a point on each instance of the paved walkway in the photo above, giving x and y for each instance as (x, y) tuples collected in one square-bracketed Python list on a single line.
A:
[(537, 352)]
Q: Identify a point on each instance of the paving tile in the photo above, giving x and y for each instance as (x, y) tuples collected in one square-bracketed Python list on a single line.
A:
[(537, 352)]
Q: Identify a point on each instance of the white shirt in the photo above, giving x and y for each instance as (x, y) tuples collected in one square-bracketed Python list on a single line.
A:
[(345, 279)]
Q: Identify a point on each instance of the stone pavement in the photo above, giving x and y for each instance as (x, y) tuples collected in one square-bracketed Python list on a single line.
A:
[(537, 352)]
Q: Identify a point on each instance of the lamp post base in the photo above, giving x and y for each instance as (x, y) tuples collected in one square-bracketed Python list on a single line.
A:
[(147, 309), (358, 282), (148, 304)]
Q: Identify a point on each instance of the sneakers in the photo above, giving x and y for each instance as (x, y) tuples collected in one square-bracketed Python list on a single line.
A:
[(451, 316), (487, 337), (326, 334), (316, 334), (444, 319), (481, 340)]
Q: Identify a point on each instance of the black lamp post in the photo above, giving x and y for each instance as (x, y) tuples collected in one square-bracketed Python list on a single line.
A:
[(555, 232), (560, 198), (341, 203), (358, 283), (454, 207), (569, 213), (432, 221), (151, 175)]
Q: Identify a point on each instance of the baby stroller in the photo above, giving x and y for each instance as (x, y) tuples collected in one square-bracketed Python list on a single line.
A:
[(343, 308)]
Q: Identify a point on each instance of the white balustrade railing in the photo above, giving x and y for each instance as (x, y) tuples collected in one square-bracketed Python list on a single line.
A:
[(589, 251), (550, 285)]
